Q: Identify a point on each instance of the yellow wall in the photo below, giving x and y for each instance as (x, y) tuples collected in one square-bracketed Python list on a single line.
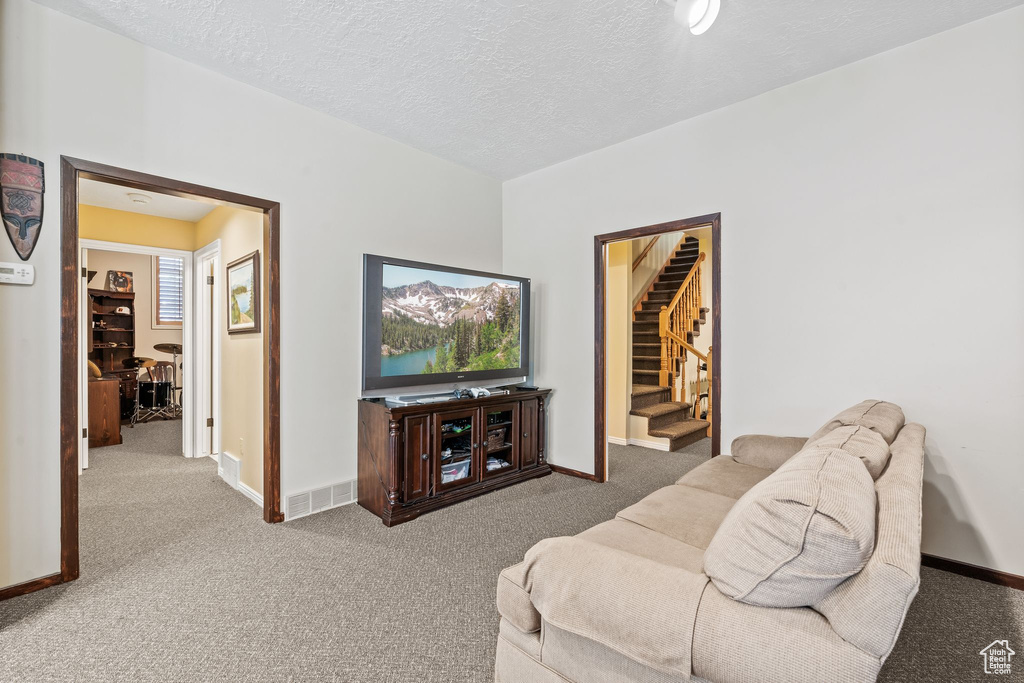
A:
[(111, 225), (618, 337), (241, 404)]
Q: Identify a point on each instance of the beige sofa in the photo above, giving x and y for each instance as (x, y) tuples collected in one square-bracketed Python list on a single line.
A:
[(688, 584)]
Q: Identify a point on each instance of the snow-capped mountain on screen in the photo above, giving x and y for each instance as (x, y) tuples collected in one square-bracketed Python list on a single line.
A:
[(432, 304)]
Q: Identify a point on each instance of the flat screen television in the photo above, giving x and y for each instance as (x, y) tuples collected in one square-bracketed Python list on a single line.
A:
[(426, 325)]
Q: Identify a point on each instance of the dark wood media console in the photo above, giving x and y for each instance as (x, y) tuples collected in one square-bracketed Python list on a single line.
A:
[(413, 459)]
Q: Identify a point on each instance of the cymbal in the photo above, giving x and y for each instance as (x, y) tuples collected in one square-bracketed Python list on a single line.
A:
[(168, 348), (136, 362)]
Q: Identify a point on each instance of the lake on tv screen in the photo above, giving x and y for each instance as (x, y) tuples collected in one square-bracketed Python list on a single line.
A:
[(436, 322)]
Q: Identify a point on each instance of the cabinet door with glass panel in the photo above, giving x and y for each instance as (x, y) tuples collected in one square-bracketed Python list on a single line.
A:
[(456, 448), (500, 445)]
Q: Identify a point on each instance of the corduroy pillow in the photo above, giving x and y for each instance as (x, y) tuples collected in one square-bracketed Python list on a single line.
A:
[(880, 416), (860, 442), (793, 537)]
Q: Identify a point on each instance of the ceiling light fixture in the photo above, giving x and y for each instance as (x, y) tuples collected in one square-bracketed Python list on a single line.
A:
[(139, 198), (697, 15)]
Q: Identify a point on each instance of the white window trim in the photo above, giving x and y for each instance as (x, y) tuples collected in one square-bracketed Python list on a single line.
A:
[(154, 269)]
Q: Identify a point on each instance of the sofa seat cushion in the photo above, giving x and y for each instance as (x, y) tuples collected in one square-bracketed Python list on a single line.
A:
[(860, 442), (643, 542), (798, 534), (681, 512), (725, 476), (880, 416), (643, 609)]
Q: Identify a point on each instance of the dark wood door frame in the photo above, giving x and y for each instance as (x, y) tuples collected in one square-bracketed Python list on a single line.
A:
[(714, 220), (71, 171)]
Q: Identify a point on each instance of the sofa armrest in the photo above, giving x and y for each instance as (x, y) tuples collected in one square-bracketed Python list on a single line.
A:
[(764, 451), (640, 608), (514, 601)]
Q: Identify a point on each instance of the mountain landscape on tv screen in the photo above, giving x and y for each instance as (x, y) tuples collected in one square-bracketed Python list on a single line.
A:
[(428, 328)]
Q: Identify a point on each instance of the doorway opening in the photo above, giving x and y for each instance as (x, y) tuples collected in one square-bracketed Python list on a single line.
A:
[(657, 330), (185, 386)]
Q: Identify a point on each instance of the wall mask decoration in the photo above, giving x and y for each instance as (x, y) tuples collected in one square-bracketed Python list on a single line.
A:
[(21, 201), (244, 294)]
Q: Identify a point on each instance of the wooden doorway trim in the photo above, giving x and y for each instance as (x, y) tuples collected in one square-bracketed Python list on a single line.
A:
[(71, 171), (600, 362)]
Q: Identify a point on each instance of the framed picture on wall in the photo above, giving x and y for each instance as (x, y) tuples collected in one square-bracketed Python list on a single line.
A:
[(243, 288), (119, 281)]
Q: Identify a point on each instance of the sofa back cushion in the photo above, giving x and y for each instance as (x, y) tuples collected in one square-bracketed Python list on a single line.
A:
[(860, 442), (795, 536), (880, 416)]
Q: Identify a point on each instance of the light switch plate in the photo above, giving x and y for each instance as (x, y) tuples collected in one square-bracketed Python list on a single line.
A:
[(17, 274)]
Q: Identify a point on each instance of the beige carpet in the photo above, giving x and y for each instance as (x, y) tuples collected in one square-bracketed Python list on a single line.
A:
[(182, 581)]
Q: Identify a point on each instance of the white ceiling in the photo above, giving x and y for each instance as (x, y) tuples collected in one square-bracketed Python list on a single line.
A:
[(95, 193), (510, 86)]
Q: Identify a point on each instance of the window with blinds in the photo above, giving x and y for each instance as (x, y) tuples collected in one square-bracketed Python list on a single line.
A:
[(168, 291)]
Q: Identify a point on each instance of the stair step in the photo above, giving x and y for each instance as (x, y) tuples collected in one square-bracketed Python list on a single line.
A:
[(682, 433), (661, 409), (645, 396), (648, 377), (663, 415), (646, 362), (645, 348), (647, 391)]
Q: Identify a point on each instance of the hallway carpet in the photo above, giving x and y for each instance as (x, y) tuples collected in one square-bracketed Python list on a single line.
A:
[(182, 581)]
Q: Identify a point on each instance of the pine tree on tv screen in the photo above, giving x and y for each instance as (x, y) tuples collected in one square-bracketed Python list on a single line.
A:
[(437, 322)]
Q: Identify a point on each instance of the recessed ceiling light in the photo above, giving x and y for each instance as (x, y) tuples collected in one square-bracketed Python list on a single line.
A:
[(139, 198), (697, 15)]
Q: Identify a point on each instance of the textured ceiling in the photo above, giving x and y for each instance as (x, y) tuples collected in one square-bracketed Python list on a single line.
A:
[(510, 86)]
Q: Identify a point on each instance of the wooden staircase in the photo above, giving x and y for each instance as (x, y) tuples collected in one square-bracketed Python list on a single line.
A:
[(668, 419)]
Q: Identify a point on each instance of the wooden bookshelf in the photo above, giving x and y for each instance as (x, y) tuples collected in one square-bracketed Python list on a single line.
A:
[(112, 340)]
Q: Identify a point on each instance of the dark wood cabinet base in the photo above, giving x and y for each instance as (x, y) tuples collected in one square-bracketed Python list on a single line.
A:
[(414, 459), (406, 513)]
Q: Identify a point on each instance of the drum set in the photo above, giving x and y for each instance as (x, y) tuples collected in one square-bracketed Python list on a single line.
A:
[(157, 396)]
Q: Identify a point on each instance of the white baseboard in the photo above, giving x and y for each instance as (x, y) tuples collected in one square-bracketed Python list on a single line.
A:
[(230, 469), (654, 445), (250, 494), (618, 440)]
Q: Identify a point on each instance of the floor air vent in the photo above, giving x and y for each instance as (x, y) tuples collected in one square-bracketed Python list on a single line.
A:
[(298, 505), (317, 500), (342, 493), (321, 499)]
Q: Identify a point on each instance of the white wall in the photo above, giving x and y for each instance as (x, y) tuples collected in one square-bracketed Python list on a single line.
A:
[(870, 217), (74, 89)]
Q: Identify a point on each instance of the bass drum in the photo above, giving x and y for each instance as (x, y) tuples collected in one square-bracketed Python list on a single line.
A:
[(154, 395)]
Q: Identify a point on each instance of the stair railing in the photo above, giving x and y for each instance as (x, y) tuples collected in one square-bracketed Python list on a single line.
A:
[(676, 322)]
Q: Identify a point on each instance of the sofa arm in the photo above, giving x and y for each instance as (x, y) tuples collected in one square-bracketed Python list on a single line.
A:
[(764, 451), (640, 608), (514, 601)]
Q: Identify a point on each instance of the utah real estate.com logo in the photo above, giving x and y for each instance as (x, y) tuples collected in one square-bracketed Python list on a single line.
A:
[(997, 657)]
